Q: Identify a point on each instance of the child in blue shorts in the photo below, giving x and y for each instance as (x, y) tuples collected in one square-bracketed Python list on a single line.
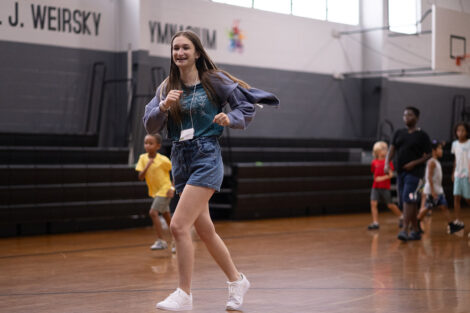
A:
[(412, 147), (460, 175), (433, 190)]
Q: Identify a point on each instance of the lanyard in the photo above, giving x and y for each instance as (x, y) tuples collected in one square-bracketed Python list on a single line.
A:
[(190, 105)]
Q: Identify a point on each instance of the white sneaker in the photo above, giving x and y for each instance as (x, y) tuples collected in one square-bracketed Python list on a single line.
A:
[(159, 245), (236, 291), (173, 247), (177, 301), (459, 222)]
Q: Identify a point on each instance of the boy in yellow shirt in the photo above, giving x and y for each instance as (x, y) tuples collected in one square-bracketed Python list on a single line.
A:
[(155, 169)]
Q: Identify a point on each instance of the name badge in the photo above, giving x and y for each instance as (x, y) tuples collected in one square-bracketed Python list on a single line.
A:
[(187, 134)]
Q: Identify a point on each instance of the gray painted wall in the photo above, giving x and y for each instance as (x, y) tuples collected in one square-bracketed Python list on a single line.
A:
[(371, 94), (45, 90), (434, 102)]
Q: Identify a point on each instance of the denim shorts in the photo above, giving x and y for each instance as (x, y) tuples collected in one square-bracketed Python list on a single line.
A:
[(462, 187), (161, 204), (197, 162), (432, 203), (408, 185)]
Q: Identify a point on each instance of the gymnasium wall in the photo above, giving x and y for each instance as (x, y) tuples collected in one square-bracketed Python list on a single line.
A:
[(384, 50), (45, 88), (47, 59), (435, 103), (47, 52)]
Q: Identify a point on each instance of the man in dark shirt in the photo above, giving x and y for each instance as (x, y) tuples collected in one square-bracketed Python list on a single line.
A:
[(412, 148)]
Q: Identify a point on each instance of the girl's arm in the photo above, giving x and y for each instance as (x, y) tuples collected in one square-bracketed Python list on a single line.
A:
[(453, 170), (242, 112), (154, 118), (241, 101), (452, 151), (432, 166)]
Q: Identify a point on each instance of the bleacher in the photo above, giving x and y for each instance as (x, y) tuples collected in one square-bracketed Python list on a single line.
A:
[(294, 189), (48, 185)]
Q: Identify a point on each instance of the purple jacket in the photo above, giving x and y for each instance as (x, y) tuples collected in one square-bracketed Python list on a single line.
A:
[(241, 103)]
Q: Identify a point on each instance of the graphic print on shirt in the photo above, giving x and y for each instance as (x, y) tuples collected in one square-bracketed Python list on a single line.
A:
[(202, 114), (197, 105)]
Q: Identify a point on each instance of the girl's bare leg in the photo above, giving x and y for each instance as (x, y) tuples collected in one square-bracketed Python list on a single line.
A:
[(193, 201), (457, 200), (215, 245)]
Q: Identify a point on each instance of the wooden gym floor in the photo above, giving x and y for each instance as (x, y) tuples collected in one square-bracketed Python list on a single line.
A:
[(311, 264)]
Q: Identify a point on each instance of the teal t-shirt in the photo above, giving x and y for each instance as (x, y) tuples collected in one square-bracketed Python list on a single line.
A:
[(202, 113)]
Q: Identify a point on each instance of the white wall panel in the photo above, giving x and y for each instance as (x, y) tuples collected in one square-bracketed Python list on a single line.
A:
[(85, 24), (270, 40)]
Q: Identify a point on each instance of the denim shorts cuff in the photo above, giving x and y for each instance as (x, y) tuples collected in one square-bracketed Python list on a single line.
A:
[(179, 188), (215, 187)]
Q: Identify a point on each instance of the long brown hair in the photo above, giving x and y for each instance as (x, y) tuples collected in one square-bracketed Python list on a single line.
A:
[(205, 68)]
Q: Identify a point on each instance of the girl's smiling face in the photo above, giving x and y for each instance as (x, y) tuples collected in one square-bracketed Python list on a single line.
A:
[(183, 52)]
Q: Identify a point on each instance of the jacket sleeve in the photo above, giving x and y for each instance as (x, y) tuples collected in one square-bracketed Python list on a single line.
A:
[(242, 101), (242, 112), (154, 119)]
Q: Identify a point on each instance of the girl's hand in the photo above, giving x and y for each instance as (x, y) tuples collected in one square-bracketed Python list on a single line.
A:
[(221, 119), (170, 193), (171, 99)]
